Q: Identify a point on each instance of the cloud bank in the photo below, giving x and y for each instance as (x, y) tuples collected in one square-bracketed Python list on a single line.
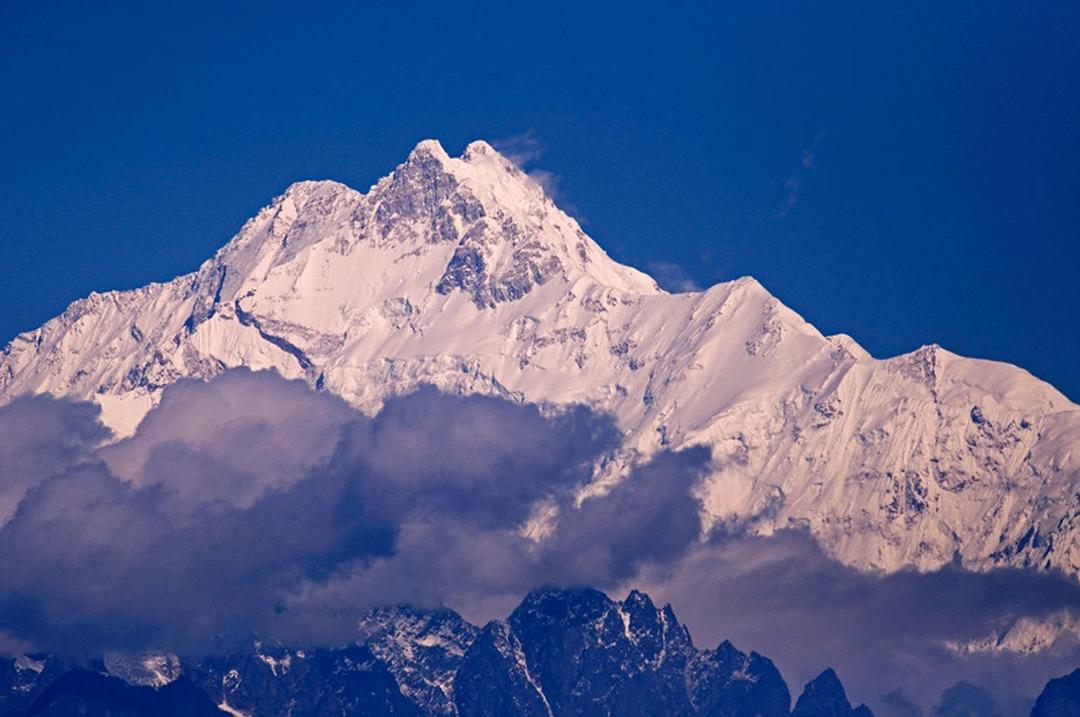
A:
[(254, 506), (885, 634)]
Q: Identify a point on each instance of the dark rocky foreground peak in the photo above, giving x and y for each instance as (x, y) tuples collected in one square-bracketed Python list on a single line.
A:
[(561, 652), (824, 696), (1060, 698), (92, 694)]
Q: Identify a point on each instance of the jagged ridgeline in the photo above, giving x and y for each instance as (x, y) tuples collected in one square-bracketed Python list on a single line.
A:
[(461, 273), (561, 652)]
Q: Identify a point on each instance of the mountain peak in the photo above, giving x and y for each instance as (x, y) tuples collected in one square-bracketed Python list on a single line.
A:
[(487, 172), (478, 148), (824, 696), (479, 156), (318, 189), (489, 175), (429, 148), (508, 236)]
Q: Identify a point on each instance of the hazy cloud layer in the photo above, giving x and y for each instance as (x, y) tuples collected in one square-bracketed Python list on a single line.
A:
[(673, 277), (885, 634), (252, 505)]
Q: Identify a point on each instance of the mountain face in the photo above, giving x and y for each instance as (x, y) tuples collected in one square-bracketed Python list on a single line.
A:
[(1060, 698), (577, 652), (91, 694), (561, 652), (23, 678), (1057, 632), (423, 650), (345, 681), (461, 273), (824, 697)]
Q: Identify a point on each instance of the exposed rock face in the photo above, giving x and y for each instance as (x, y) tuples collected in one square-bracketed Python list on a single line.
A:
[(422, 649), (578, 652), (460, 272), (92, 694), (495, 678), (346, 681), (1060, 697), (23, 678), (589, 655), (824, 697), (561, 652), (728, 683)]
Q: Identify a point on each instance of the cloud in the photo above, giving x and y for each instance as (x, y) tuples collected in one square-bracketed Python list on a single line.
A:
[(251, 505), (791, 185), (966, 700), (794, 183), (898, 703), (672, 277), (231, 440), (523, 150), (483, 569), (39, 436), (604, 538), (782, 596), (548, 181)]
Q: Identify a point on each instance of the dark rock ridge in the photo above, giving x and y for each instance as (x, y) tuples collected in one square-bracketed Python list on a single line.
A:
[(345, 681), (578, 652), (1060, 697), (92, 694), (561, 652), (824, 697)]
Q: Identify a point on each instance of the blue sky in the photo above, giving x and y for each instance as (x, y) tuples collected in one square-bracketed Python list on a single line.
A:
[(906, 175)]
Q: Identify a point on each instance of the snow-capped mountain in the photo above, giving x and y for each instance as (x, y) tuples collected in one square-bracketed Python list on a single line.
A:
[(460, 272)]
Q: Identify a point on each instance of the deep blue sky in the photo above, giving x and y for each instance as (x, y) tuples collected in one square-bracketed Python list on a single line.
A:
[(904, 175)]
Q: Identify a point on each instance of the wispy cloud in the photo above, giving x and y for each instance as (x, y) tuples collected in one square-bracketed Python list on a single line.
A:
[(521, 149), (524, 149), (793, 185), (672, 277), (549, 181)]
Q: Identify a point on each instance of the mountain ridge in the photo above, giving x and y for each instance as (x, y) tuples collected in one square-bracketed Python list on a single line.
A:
[(562, 651), (462, 273)]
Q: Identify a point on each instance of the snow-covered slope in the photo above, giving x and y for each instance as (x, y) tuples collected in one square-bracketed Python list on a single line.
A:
[(461, 273), (1057, 632)]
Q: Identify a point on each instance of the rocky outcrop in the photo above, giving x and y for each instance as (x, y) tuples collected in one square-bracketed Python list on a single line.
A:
[(561, 652), (1060, 697)]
